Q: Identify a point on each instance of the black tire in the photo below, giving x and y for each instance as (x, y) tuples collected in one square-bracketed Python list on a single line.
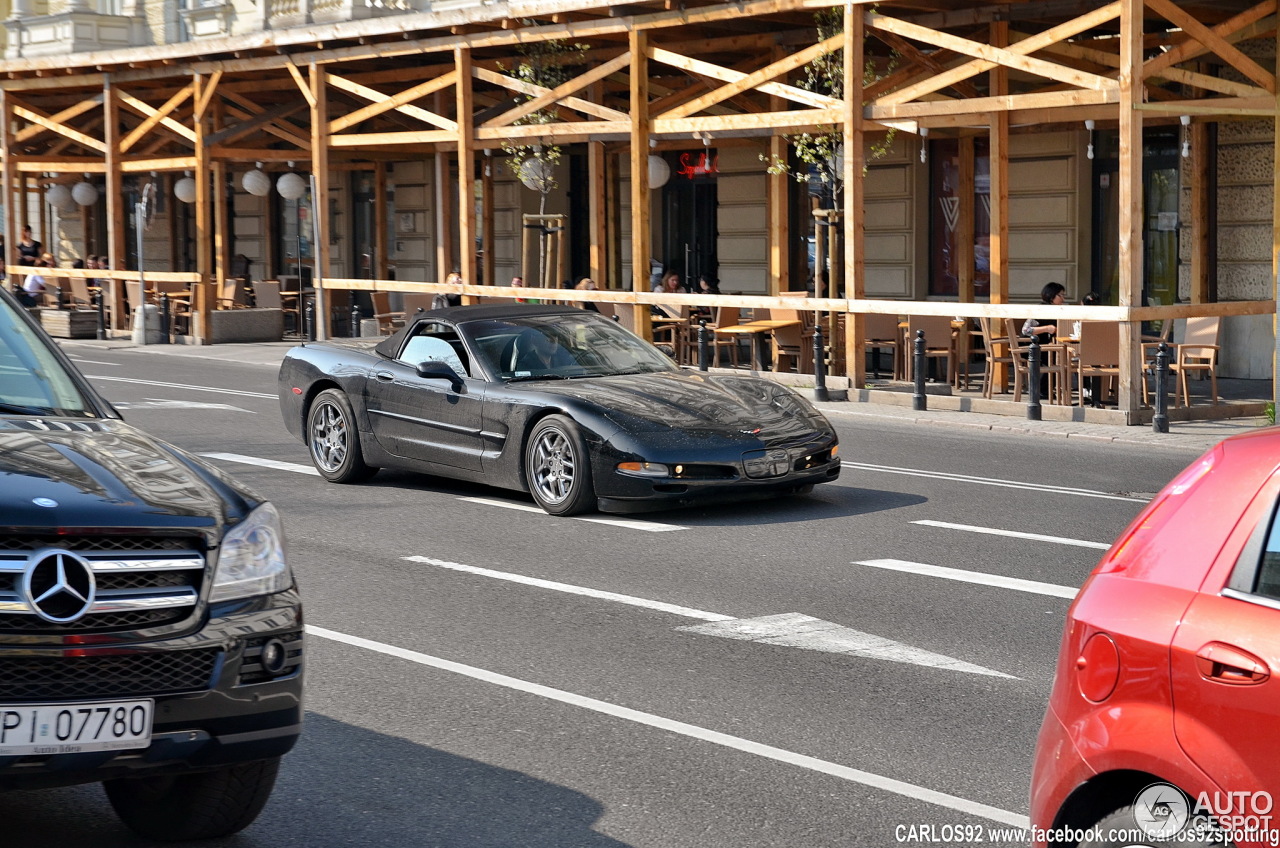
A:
[(204, 805), (333, 439), (557, 467), (1122, 821)]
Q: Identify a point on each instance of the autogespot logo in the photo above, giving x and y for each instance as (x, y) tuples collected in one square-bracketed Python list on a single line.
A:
[(1161, 810)]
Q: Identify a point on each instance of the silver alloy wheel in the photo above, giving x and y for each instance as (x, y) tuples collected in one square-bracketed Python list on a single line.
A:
[(554, 464), (329, 436)]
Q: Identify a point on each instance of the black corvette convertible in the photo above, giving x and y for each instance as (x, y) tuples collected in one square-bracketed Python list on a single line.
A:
[(556, 401)]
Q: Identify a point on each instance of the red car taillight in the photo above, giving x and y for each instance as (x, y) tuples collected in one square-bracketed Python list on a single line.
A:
[(1158, 512)]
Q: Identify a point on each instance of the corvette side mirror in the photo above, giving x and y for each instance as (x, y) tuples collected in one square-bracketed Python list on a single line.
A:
[(434, 369)]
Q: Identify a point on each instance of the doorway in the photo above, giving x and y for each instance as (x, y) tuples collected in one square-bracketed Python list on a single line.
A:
[(689, 204)]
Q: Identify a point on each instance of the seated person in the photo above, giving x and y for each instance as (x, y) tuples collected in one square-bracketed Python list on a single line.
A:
[(1046, 330), (534, 352)]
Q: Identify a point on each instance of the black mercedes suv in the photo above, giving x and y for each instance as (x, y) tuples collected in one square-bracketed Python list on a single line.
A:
[(150, 629)]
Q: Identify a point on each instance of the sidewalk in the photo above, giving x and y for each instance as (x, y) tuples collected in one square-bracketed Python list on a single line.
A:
[(1191, 437)]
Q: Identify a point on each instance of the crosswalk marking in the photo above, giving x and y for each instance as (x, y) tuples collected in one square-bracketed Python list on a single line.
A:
[(1015, 534), (265, 463), (979, 577)]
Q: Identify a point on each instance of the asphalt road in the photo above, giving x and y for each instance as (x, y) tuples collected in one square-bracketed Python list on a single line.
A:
[(481, 674)]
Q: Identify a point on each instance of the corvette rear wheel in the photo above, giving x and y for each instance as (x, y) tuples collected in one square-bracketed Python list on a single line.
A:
[(557, 468), (333, 440)]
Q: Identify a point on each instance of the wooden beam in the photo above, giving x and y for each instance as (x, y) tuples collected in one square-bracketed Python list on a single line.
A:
[(578, 103), (211, 86), (995, 103), (1030, 45), (148, 111), (375, 96), (34, 165), (249, 109), (923, 61), (1247, 24), (697, 66), (248, 125), (1130, 193), (302, 84), (1225, 49), (757, 78), (170, 163), (203, 305), (466, 167), (386, 138), (558, 93), (155, 117), (798, 119), (395, 101), (64, 131), (641, 249), (68, 114)]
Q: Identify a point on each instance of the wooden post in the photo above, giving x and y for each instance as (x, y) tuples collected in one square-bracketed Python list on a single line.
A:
[(1201, 207), (466, 169), (1130, 199), (638, 41), (444, 206), (221, 224), (999, 177), (488, 237), (320, 194), (203, 306), (855, 225), (380, 264), (778, 195), (8, 174), (597, 216)]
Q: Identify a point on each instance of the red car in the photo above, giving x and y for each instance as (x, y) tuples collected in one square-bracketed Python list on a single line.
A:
[(1163, 717)]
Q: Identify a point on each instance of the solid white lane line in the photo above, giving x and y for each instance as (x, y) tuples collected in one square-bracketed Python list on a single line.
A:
[(649, 526), (1033, 586), (265, 463), (78, 359), (1014, 534), (737, 743), (990, 481), (181, 386), (574, 590)]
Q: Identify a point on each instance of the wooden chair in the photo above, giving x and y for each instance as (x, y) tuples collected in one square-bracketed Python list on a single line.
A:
[(266, 293), (939, 342), (793, 344), (416, 302), (1054, 364), (388, 320), (625, 314), (726, 316), (993, 344), (674, 333), (232, 294), (880, 332), (1098, 356), (1151, 347), (1198, 354), (81, 297)]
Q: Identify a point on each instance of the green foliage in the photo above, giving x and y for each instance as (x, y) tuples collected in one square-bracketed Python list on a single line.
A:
[(821, 151), (546, 64), (1270, 412)]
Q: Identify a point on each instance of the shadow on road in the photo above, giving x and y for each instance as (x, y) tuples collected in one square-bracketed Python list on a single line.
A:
[(345, 786)]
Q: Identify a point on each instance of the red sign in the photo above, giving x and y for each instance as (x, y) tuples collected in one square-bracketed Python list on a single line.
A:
[(698, 165)]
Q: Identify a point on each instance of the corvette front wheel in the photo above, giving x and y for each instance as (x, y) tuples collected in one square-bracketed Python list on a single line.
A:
[(557, 468), (333, 440)]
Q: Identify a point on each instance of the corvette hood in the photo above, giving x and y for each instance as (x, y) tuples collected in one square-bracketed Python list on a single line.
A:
[(695, 402), (72, 473)]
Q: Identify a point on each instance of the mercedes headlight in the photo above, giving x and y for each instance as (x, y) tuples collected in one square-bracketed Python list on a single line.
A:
[(251, 558)]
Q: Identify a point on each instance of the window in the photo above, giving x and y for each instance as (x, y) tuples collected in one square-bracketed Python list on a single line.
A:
[(1268, 582), (944, 218), (435, 343)]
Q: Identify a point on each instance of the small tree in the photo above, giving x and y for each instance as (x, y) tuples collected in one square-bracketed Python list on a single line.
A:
[(546, 64), (821, 152)]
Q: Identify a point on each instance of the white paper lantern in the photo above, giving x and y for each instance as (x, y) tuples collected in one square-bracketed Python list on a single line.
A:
[(659, 171), (535, 173), (84, 194), (256, 182), (185, 190), (58, 195), (291, 186)]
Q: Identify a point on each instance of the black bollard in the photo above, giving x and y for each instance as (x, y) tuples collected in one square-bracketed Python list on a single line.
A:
[(819, 365), (704, 345), (1033, 378), (1160, 421), (99, 304), (309, 321), (166, 319), (919, 400), (355, 321)]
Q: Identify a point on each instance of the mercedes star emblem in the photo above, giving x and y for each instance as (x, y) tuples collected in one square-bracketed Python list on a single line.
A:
[(58, 585)]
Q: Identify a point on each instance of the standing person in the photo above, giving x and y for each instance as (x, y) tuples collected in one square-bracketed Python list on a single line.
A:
[(444, 299), (29, 249), (517, 282)]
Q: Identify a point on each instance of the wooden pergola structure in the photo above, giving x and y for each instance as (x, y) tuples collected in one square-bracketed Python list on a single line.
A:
[(440, 85)]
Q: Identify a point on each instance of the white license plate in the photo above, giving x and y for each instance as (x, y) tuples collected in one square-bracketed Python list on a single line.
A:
[(27, 729)]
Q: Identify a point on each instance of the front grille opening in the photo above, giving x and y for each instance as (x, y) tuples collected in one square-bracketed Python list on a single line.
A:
[(683, 471), (813, 460), (109, 676), (104, 623), (126, 542)]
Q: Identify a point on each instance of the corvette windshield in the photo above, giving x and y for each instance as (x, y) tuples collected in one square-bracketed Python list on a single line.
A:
[(32, 380), (569, 346)]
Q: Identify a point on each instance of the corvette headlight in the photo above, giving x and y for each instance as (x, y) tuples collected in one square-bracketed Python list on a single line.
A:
[(251, 558)]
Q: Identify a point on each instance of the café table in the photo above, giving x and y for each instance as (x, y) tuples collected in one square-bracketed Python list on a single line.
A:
[(756, 331)]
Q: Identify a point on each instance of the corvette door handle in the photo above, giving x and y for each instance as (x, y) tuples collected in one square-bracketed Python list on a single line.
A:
[(1225, 663), (384, 376)]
